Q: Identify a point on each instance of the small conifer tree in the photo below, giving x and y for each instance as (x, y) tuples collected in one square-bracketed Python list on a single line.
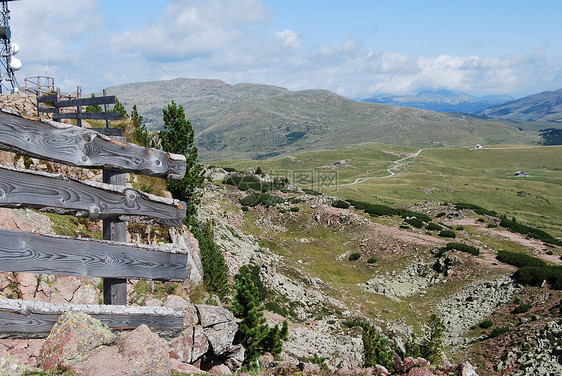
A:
[(119, 108), (254, 333), (140, 133), (178, 137), (93, 107)]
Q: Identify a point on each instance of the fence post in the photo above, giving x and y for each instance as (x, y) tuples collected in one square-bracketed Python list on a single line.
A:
[(79, 108), (115, 290)]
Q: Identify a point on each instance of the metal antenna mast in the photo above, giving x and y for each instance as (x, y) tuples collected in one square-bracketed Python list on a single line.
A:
[(9, 63)]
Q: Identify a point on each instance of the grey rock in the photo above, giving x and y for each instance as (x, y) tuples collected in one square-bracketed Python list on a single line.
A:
[(212, 315)]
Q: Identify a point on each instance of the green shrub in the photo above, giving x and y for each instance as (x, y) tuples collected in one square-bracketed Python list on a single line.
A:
[(276, 308), (376, 210), (477, 209), (341, 204), (294, 209), (486, 324), (354, 256), (372, 260), (315, 359), (491, 225), (433, 226), (311, 192), (447, 234), (259, 171), (463, 248), (549, 252), (532, 232), (245, 208), (416, 222), (229, 169), (440, 214), (404, 226), (522, 308), (459, 228), (519, 259), (498, 331), (535, 275), (261, 199), (481, 220)]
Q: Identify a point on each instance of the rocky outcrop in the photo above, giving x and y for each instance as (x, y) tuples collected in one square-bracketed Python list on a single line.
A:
[(207, 340), (472, 304), (83, 345)]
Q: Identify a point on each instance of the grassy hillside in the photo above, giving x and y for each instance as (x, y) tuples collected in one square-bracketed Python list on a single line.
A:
[(260, 121), (483, 177), (545, 106)]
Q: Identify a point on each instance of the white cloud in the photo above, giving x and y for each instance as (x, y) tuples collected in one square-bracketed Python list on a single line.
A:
[(288, 38), (190, 28)]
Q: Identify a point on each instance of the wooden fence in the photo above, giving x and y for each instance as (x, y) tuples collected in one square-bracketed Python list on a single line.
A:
[(111, 201)]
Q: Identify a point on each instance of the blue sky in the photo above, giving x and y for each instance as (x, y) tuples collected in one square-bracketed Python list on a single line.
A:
[(350, 47)]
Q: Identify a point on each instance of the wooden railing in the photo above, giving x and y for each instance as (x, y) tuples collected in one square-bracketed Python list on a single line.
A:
[(112, 259)]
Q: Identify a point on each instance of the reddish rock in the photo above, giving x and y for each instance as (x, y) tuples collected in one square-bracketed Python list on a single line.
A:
[(466, 369), (178, 366), (380, 371), (410, 363), (200, 343), (220, 369), (27, 285), (307, 368), (181, 347), (420, 371), (72, 337)]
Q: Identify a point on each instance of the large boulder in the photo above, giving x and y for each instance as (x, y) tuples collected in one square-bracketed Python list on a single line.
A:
[(72, 338), (83, 345)]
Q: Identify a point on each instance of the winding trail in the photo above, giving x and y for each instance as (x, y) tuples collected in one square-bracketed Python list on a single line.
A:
[(397, 164)]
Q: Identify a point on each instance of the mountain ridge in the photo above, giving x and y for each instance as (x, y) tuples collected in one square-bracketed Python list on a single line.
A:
[(259, 121)]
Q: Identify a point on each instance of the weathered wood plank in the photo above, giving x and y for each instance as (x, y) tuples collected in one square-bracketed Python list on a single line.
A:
[(115, 289), (83, 147), (108, 99), (49, 254), (20, 318), (88, 115), (47, 98), (109, 131), (88, 199), (47, 109)]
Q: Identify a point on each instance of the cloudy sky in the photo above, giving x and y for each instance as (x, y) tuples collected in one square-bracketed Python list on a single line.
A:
[(355, 48)]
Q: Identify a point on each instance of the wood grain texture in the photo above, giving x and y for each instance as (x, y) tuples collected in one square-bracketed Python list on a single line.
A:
[(108, 99), (37, 325), (47, 98), (88, 115), (56, 193), (44, 254), (84, 148)]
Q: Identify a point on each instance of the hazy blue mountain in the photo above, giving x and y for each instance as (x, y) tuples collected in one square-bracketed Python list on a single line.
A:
[(545, 106), (442, 101)]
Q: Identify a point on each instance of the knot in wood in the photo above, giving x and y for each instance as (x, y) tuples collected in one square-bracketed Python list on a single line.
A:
[(131, 197), (2, 194)]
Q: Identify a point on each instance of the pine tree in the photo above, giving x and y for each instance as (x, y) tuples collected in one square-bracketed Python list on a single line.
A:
[(93, 107), (215, 271), (432, 346), (140, 133), (178, 137), (254, 333), (119, 108)]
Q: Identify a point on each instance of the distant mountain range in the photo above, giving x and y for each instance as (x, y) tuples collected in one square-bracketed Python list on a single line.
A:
[(545, 106), (261, 121), (442, 101)]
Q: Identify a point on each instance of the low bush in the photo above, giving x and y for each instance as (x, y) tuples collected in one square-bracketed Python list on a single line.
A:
[(475, 208), (376, 210), (372, 260), (245, 208), (486, 324), (532, 232), (522, 308), (245, 183), (433, 226), (535, 275), (459, 228), (311, 192), (294, 209), (464, 248), (481, 220), (498, 331), (276, 308), (341, 204), (354, 256), (261, 199), (440, 214), (491, 225), (416, 222), (549, 252), (229, 169), (404, 226), (519, 259), (447, 234)]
